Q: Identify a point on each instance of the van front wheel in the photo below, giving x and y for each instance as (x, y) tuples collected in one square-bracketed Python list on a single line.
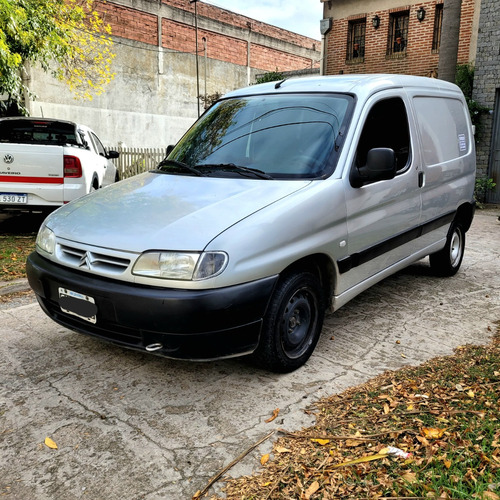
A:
[(447, 261), (292, 324)]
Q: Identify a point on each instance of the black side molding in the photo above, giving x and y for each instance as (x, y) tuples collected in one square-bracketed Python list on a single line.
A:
[(357, 259)]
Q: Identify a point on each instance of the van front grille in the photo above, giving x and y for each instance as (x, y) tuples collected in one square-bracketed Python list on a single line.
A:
[(86, 260)]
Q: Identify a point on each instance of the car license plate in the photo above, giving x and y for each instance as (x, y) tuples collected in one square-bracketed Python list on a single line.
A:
[(13, 198), (78, 304)]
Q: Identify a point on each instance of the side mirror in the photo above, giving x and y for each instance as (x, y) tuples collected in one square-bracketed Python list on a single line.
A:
[(170, 148), (380, 165), (112, 155)]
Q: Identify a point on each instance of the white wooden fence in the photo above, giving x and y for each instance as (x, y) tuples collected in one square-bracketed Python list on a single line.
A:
[(133, 161)]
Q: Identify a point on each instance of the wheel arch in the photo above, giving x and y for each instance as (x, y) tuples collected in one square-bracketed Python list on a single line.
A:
[(464, 215), (319, 265), (95, 182)]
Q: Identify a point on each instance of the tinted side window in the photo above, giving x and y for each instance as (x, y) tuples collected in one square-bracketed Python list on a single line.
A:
[(386, 127), (443, 129), (98, 145)]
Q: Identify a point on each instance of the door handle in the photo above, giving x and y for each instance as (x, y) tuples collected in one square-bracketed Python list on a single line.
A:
[(421, 179)]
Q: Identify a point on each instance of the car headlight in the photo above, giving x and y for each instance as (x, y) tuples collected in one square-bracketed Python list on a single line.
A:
[(46, 240), (180, 265)]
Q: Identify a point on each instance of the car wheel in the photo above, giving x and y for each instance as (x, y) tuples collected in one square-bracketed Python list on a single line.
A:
[(95, 185), (447, 261), (292, 324)]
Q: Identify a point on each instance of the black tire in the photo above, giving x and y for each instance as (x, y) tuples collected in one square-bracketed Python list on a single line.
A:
[(95, 184), (292, 324), (447, 261)]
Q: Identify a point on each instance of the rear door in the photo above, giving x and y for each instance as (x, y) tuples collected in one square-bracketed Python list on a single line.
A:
[(382, 217), (31, 165)]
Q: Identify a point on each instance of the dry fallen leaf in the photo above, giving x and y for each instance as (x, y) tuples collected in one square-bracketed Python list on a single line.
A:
[(432, 433), (322, 442), (264, 459), (411, 477), (313, 488), (51, 444), (352, 443), (274, 415), (280, 449), (381, 454)]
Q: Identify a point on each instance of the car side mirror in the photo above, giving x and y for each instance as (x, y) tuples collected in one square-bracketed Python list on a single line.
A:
[(380, 165), (170, 148), (112, 155)]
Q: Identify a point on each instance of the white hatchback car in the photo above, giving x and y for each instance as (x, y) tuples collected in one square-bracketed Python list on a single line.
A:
[(283, 199)]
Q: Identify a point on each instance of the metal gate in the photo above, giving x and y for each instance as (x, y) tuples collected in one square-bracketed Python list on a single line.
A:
[(494, 167)]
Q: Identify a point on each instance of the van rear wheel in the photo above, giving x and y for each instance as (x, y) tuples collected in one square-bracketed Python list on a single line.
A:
[(447, 261), (292, 324)]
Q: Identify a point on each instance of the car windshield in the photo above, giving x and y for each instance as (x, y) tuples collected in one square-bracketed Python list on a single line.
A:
[(292, 136)]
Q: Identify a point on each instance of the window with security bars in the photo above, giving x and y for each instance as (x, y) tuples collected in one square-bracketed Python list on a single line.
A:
[(398, 33), (438, 22), (356, 40)]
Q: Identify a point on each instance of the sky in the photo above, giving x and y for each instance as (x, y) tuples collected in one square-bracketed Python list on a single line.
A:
[(299, 16)]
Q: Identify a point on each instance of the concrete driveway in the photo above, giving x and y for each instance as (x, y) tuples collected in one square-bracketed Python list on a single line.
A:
[(133, 426)]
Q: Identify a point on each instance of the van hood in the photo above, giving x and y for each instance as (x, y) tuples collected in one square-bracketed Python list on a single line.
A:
[(165, 212)]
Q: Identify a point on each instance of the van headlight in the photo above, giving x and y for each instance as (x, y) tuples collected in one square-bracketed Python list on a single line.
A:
[(46, 240), (180, 265)]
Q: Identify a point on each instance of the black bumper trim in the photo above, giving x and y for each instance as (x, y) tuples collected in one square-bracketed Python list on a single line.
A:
[(189, 324)]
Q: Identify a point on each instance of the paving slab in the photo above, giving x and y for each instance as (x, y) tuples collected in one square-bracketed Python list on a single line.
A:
[(134, 426)]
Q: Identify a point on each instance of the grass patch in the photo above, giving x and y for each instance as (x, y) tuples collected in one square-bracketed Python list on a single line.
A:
[(444, 413), (14, 249)]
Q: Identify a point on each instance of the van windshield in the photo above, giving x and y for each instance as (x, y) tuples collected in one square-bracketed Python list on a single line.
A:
[(292, 136)]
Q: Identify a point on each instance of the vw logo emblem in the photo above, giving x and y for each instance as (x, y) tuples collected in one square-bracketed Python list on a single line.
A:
[(8, 158)]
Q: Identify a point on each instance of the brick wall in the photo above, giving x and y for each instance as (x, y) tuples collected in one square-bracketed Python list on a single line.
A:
[(182, 37), (419, 59), (239, 21), (141, 26), (129, 23)]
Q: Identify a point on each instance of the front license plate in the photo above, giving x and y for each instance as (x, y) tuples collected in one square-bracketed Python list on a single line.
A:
[(77, 304), (13, 198)]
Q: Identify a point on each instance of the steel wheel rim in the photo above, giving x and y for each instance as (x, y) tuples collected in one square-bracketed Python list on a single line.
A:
[(298, 323), (455, 248)]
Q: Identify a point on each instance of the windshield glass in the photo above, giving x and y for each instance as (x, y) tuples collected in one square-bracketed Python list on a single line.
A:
[(293, 136)]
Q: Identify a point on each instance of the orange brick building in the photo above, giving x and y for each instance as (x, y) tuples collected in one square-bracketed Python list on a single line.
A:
[(394, 37)]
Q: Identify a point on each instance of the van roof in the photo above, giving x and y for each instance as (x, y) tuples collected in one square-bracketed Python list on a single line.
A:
[(360, 85)]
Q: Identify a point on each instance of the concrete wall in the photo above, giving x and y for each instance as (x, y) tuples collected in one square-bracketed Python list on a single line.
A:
[(418, 59), (153, 98)]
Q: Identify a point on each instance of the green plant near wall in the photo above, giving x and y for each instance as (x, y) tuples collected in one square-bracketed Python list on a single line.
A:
[(464, 78), (483, 185)]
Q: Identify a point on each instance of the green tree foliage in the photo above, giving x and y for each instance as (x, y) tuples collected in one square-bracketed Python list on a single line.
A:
[(464, 78), (272, 76), (66, 37)]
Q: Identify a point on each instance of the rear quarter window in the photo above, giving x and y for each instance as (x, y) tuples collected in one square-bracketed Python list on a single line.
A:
[(443, 127)]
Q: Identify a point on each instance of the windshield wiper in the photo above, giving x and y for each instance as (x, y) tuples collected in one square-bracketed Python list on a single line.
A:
[(179, 164), (245, 171)]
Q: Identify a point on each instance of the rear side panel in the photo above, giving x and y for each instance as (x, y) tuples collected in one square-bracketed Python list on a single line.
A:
[(448, 156)]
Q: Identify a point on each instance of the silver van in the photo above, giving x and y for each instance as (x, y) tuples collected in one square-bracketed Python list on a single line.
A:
[(282, 200)]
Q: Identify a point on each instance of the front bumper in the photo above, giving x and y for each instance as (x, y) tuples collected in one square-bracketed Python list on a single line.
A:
[(188, 324)]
